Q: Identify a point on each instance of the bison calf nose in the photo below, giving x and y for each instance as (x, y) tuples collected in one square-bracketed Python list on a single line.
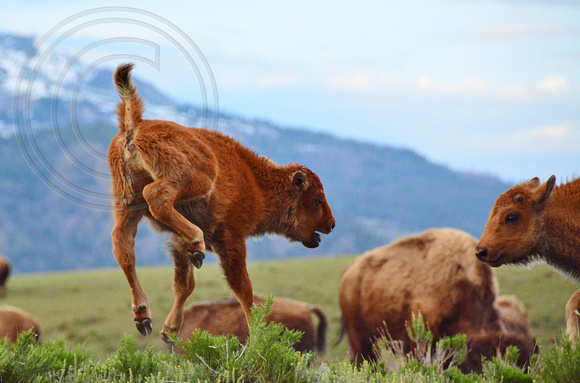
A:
[(481, 254)]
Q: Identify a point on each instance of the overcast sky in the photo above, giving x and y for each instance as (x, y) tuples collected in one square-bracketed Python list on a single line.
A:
[(478, 85)]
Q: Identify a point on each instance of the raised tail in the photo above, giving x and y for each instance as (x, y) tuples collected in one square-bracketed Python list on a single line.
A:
[(130, 109), (321, 331)]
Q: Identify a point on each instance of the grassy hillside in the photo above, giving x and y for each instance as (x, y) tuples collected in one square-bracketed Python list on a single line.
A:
[(92, 308)]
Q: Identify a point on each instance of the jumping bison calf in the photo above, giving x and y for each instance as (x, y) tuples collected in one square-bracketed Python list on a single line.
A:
[(227, 318), (14, 321), (433, 273), (210, 192)]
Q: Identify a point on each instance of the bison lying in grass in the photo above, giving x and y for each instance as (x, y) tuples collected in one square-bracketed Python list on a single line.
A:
[(537, 221), (14, 321), (227, 318), (433, 273), (210, 192)]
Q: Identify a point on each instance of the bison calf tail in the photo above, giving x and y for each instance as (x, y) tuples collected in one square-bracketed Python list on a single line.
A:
[(130, 109), (321, 331)]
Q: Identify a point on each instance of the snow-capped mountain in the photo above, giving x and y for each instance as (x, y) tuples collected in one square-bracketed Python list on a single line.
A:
[(49, 88), (56, 121)]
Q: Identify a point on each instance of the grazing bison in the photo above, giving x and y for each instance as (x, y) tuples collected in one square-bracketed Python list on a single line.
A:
[(537, 221), (5, 269), (210, 192), (14, 321), (433, 273), (227, 318)]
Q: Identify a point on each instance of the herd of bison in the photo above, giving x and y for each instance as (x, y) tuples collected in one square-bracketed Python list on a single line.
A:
[(211, 193)]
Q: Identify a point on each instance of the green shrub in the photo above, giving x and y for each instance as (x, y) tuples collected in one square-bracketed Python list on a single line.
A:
[(504, 369), (27, 361), (561, 363), (269, 357), (426, 357)]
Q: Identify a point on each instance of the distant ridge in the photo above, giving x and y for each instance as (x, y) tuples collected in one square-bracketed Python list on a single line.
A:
[(54, 184)]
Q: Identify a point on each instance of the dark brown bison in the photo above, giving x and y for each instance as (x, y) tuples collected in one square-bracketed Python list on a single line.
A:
[(227, 318), (14, 321), (433, 273), (5, 270), (210, 192), (534, 220)]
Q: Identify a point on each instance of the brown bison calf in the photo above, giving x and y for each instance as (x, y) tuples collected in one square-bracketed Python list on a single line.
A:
[(14, 321), (210, 192), (537, 221), (227, 318), (5, 269), (433, 273)]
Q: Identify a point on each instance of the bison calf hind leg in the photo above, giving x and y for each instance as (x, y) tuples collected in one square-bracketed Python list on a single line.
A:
[(183, 285), (161, 196), (123, 238)]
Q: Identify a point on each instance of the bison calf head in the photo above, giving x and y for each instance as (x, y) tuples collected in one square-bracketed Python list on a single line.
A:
[(308, 213), (513, 229)]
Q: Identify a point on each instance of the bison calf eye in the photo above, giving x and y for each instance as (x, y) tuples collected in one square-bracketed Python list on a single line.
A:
[(512, 218), (319, 202)]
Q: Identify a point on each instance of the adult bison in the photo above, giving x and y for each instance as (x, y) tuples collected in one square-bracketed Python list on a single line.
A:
[(210, 192), (534, 220), (433, 273), (227, 318), (5, 270), (14, 321)]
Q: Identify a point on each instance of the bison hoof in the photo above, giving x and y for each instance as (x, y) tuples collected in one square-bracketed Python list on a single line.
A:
[(165, 336), (196, 258), (145, 327)]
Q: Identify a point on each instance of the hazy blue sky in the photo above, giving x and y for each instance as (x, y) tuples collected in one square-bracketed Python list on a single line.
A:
[(479, 85)]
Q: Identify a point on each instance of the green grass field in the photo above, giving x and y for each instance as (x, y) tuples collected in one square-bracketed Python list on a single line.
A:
[(92, 308)]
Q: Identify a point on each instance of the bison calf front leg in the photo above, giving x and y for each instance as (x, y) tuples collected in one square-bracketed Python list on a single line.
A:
[(233, 262), (573, 317)]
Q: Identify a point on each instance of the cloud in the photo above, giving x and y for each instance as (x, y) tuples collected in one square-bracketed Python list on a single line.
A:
[(467, 87), (475, 88), (363, 82), (277, 80), (553, 84), (562, 138), (520, 30)]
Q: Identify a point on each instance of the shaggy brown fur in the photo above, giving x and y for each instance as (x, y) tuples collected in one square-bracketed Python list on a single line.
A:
[(533, 220), (227, 317), (513, 315), (5, 269), (433, 273), (14, 321), (210, 192)]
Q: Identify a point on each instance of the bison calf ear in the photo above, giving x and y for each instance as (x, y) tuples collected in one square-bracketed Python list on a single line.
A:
[(299, 181), (534, 182), (543, 192)]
